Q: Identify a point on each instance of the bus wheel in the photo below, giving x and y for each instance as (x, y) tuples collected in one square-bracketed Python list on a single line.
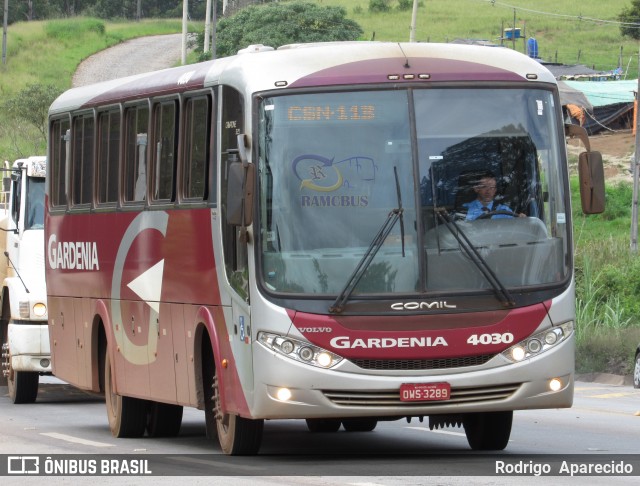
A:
[(488, 431), (359, 424), (23, 385), (238, 436), (127, 415), (164, 420), (323, 425)]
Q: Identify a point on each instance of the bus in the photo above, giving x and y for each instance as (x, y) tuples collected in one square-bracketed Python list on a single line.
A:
[(281, 234), (24, 333)]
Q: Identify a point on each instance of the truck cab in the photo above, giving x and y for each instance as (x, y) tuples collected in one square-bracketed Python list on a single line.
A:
[(24, 332)]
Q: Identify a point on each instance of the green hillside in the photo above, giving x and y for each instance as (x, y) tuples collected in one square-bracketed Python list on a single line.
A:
[(563, 29)]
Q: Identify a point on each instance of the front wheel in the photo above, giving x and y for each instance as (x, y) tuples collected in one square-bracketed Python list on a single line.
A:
[(323, 425), (23, 385), (636, 372), (127, 415), (359, 424), (238, 436), (488, 431)]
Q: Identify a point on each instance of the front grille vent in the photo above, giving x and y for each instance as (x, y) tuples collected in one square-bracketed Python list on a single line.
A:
[(421, 364)]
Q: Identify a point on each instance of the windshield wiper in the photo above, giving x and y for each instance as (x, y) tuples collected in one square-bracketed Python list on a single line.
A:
[(501, 291), (375, 245)]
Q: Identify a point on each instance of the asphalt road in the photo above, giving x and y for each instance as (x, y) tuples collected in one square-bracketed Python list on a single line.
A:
[(603, 423)]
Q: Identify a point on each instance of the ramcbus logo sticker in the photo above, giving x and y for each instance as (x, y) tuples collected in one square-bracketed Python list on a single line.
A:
[(72, 255)]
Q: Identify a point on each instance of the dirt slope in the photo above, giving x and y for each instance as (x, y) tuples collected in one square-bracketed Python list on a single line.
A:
[(134, 56)]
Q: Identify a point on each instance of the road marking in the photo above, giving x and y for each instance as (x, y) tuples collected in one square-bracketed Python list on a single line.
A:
[(76, 440), (612, 395), (447, 432), (209, 462)]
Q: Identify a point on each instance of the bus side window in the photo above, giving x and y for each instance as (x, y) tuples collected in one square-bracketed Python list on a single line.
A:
[(135, 162), (196, 148), (108, 156), (82, 165), (59, 137), (164, 160), (235, 248)]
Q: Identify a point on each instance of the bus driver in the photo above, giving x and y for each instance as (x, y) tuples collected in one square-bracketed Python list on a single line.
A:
[(485, 201)]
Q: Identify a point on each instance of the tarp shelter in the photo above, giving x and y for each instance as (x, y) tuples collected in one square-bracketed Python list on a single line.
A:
[(612, 103), (569, 95)]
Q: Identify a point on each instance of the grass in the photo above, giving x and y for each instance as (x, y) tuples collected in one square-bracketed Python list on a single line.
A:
[(49, 52), (557, 27)]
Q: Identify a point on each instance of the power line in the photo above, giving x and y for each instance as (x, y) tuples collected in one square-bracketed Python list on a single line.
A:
[(564, 16)]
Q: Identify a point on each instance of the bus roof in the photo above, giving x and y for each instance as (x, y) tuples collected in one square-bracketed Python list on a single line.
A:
[(319, 64)]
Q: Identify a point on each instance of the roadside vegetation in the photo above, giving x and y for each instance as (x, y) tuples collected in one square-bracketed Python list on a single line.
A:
[(46, 54)]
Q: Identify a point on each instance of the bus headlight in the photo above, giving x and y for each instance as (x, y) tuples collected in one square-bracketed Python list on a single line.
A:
[(539, 343), (298, 350)]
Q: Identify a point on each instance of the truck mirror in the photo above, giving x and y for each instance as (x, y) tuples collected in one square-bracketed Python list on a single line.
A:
[(591, 176)]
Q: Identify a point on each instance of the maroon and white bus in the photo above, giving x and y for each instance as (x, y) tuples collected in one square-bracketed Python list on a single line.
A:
[(286, 234)]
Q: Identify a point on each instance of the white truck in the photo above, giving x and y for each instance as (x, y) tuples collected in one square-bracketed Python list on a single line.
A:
[(24, 332)]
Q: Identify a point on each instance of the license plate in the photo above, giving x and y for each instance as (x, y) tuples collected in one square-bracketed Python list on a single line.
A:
[(424, 392)]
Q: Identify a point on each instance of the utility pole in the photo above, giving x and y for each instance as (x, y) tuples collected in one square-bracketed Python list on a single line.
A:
[(207, 26), (636, 161), (214, 21), (185, 14), (414, 17), (4, 32)]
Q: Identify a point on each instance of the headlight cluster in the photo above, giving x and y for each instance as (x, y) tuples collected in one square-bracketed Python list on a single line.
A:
[(539, 343), (299, 350)]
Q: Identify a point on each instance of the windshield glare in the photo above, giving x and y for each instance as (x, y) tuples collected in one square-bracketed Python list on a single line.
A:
[(328, 165)]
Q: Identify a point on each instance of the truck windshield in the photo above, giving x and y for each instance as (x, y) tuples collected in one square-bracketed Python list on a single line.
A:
[(35, 203), (330, 163)]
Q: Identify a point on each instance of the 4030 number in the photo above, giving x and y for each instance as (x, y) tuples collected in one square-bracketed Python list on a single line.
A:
[(494, 338)]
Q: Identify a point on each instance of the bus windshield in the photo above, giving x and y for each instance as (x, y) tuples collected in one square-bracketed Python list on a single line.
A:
[(480, 165)]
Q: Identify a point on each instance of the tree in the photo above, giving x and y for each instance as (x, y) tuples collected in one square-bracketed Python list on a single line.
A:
[(32, 106), (277, 24), (631, 15)]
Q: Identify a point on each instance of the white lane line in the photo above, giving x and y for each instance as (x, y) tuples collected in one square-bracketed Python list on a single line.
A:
[(435, 431), (76, 440), (209, 462)]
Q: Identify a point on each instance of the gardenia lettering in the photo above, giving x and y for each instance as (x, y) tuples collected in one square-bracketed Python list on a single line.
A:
[(72, 255), (343, 342)]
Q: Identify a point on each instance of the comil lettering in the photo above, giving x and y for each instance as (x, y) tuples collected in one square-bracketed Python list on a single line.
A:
[(343, 342), (72, 255)]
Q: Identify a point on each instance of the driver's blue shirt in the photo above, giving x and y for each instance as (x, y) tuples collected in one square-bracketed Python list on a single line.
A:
[(475, 209)]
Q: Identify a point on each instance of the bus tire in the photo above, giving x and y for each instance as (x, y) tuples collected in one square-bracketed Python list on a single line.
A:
[(488, 431), (323, 425), (238, 436), (364, 424), (164, 419), (127, 415)]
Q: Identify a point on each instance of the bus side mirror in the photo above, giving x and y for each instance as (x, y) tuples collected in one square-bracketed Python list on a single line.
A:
[(591, 177), (6, 184), (240, 183)]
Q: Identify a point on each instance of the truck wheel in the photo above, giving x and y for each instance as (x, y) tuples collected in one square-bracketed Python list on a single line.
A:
[(488, 431), (23, 385), (238, 436), (127, 415), (3, 361)]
